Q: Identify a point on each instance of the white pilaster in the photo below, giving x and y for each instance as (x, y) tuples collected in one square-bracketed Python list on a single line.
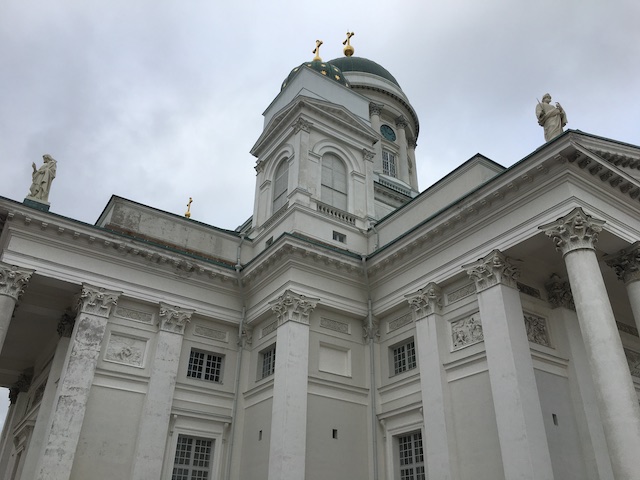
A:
[(403, 166), (156, 412), (299, 175), (413, 170), (75, 383), (13, 280), (523, 440), (627, 266), (375, 109), (287, 448), (575, 235), (439, 445)]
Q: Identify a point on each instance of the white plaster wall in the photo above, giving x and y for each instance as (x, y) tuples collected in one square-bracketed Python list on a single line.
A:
[(255, 452)]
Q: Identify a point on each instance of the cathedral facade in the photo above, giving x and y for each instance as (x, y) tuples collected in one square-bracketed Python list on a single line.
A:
[(353, 328)]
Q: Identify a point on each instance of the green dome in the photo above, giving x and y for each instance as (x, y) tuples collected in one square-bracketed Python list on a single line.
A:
[(324, 68), (359, 64)]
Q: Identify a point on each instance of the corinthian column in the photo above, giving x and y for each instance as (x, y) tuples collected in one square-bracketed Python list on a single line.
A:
[(523, 441), (75, 383), (574, 236), (287, 447), (13, 280), (156, 411), (626, 264), (436, 399)]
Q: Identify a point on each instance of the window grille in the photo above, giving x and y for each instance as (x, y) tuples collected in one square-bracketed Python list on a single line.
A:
[(205, 366), (268, 362), (193, 458), (411, 457), (404, 357), (388, 163)]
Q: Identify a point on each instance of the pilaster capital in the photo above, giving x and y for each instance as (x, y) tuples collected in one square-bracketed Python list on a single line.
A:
[(293, 307), (246, 336), (97, 300), (368, 155), (492, 270), (65, 325), (174, 319), (401, 122), (626, 263), (559, 293), (375, 108), (13, 280), (412, 142), (301, 124), (22, 385), (575, 231), (426, 301)]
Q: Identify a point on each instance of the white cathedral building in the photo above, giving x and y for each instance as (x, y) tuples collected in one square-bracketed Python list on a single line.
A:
[(353, 328)]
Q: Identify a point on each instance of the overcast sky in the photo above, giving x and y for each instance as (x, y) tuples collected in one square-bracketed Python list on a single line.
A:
[(157, 101)]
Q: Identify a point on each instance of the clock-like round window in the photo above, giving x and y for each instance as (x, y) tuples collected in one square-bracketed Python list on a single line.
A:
[(388, 133)]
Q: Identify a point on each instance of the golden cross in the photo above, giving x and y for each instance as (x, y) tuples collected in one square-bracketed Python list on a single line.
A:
[(317, 51), (348, 40), (188, 213)]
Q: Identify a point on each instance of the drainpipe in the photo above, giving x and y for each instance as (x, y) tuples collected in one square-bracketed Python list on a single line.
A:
[(234, 409), (372, 370)]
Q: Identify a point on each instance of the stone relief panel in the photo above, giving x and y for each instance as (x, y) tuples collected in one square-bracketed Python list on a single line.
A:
[(269, 329), (126, 350), (335, 325), (630, 329), (461, 293), (135, 315), (400, 322), (212, 333), (633, 358), (467, 331), (537, 331)]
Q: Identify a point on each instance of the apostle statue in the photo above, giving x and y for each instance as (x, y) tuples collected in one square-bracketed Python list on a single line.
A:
[(42, 178), (551, 118)]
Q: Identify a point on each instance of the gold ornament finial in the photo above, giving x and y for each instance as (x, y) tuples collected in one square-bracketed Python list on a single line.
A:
[(188, 212), (348, 49), (317, 51)]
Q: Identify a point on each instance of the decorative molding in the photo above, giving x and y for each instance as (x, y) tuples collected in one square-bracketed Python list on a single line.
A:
[(633, 359), (246, 336), (272, 327), (135, 315), (461, 293), (335, 325), (537, 331), (626, 263), (492, 270), (368, 155), (559, 293), (301, 124), (575, 231), (65, 325), (426, 301), (400, 322), (630, 329), (291, 306), (528, 290), (22, 385), (373, 332), (174, 319), (375, 108), (126, 350), (212, 333), (467, 331), (13, 280), (97, 300)]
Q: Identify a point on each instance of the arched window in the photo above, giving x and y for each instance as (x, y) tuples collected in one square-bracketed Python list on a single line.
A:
[(280, 186), (334, 182)]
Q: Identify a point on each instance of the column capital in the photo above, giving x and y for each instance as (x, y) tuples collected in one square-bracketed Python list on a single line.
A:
[(574, 231), (492, 270), (301, 124), (375, 108), (13, 280), (412, 142), (559, 293), (426, 301), (401, 122), (174, 319), (65, 325), (97, 300), (22, 385), (293, 307), (626, 263)]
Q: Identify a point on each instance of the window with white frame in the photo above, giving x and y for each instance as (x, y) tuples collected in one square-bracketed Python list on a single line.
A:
[(334, 182), (403, 356), (388, 163), (193, 458), (205, 366), (268, 361), (411, 457), (280, 186)]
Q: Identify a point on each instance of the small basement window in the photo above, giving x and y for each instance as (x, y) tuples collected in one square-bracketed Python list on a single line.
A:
[(339, 237)]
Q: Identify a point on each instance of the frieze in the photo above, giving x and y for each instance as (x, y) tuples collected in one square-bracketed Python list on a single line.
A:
[(269, 329), (13, 280), (135, 315), (212, 333), (461, 293), (630, 329), (174, 319), (335, 325), (39, 393), (559, 293), (537, 331), (126, 350), (97, 300), (527, 290), (467, 331), (633, 359), (400, 322), (577, 230)]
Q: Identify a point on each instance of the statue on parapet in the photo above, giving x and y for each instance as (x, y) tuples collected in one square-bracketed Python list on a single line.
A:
[(41, 180), (551, 118)]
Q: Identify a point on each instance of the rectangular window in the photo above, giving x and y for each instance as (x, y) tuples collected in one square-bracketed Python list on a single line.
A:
[(268, 358), (205, 366), (388, 163), (339, 237), (404, 357), (411, 457), (193, 458)]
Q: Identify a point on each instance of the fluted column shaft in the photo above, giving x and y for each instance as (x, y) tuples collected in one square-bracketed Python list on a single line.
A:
[(575, 236)]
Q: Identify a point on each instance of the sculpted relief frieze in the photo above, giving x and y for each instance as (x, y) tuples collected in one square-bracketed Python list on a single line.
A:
[(633, 358), (537, 331), (467, 331), (126, 350)]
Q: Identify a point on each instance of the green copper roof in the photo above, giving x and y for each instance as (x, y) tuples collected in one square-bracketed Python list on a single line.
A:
[(359, 64), (324, 68)]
